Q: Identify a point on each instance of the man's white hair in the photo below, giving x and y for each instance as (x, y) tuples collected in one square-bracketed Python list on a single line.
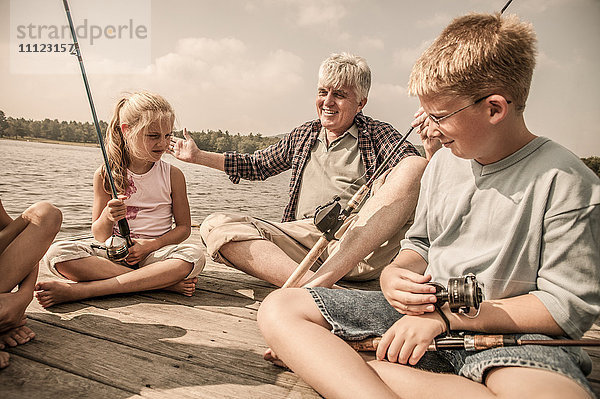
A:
[(346, 69)]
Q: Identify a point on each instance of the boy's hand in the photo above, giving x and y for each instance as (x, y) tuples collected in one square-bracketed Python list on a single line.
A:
[(430, 144), (407, 340), (184, 149), (141, 248), (117, 209), (406, 290)]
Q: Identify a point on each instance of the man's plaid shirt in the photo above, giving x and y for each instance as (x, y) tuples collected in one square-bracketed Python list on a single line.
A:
[(375, 140)]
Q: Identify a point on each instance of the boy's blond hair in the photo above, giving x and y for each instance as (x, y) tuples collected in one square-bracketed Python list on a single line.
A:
[(477, 55)]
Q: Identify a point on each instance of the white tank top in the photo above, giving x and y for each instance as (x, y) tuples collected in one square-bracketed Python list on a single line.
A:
[(149, 202)]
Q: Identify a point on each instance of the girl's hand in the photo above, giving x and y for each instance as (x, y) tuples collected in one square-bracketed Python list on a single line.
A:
[(117, 209), (430, 144), (184, 149), (407, 340), (141, 248), (406, 290)]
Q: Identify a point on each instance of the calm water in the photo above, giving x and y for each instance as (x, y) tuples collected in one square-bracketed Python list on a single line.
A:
[(62, 174)]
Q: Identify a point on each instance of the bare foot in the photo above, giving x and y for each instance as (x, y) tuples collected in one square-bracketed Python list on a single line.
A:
[(50, 293), (16, 336), (4, 359), (184, 287), (12, 310), (272, 357)]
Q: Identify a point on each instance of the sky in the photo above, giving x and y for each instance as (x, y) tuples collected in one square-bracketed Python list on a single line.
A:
[(251, 66)]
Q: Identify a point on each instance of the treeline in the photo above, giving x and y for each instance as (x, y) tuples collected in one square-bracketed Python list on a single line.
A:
[(210, 140), (78, 132), (593, 163)]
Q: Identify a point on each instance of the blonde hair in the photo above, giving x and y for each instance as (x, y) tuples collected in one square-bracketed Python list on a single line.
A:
[(138, 110), (346, 69), (478, 55)]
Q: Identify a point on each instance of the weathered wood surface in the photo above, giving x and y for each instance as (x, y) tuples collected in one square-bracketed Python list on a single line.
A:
[(160, 345)]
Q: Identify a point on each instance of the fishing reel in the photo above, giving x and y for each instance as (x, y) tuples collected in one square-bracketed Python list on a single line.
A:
[(116, 248), (462, 293), (327, 216)]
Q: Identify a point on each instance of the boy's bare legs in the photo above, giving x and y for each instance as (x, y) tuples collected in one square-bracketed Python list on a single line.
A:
[(23, 242), (504, 382), (295, 329), (297, 332), (97, 276)]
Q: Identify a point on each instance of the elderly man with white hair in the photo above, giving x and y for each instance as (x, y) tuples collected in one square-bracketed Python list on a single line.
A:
[(332, 155)]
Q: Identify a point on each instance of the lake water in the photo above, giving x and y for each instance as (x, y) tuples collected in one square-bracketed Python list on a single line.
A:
[(62, 174)]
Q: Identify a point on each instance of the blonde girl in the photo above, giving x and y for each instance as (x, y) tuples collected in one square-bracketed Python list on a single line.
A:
[(152, 194)]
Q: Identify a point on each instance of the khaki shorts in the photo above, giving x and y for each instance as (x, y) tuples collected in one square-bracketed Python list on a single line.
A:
[(63, 251), (295, 238)]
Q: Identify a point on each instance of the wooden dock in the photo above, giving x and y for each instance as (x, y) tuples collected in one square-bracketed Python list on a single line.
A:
[(159, 345)]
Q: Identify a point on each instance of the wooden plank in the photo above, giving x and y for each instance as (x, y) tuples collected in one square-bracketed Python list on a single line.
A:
[(224, 342), (134, 370), (26, 379)]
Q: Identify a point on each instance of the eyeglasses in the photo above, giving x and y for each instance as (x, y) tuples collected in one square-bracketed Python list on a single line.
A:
[(438, 120)]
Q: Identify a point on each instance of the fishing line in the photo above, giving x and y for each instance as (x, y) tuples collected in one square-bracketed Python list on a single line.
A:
[(123, 225)]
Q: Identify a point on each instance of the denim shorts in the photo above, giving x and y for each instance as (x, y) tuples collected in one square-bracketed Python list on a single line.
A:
[(355, 315)]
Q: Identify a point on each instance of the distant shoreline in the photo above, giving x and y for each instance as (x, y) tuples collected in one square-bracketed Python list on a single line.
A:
[(47, 141)]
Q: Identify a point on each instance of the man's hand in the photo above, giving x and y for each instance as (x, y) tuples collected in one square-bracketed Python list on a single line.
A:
[(407, 340), (430, 144), (406, 291), (184, 149)]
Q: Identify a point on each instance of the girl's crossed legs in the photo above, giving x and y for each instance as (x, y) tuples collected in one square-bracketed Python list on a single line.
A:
[(173, 268)]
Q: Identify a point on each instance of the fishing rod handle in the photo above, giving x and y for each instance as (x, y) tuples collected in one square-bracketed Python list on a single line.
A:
[(125, 233), (356, 199), (370, 344), (306, 263), (365, 345)]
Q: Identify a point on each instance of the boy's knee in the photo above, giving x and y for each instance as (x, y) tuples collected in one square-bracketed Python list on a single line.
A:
[(44, 214), (279, 305), (271, 308)]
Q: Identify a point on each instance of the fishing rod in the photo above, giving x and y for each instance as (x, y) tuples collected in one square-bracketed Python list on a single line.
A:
[(505, 6), (462, 294), (116, 247), (330, 217), (477, 342)]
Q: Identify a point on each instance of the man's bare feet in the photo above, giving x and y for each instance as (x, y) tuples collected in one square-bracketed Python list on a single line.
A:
[(50, 293), (4, 359), (272, 357), (184, 287), (16, 336)]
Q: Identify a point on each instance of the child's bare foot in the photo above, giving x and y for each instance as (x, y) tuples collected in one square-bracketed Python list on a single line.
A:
[(16, 336), (49, 293), (4, 359), (184, 287), (272, 357), (12, 310)]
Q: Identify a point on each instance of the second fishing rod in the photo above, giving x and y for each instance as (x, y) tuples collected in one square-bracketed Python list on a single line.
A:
[(330, 217)]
